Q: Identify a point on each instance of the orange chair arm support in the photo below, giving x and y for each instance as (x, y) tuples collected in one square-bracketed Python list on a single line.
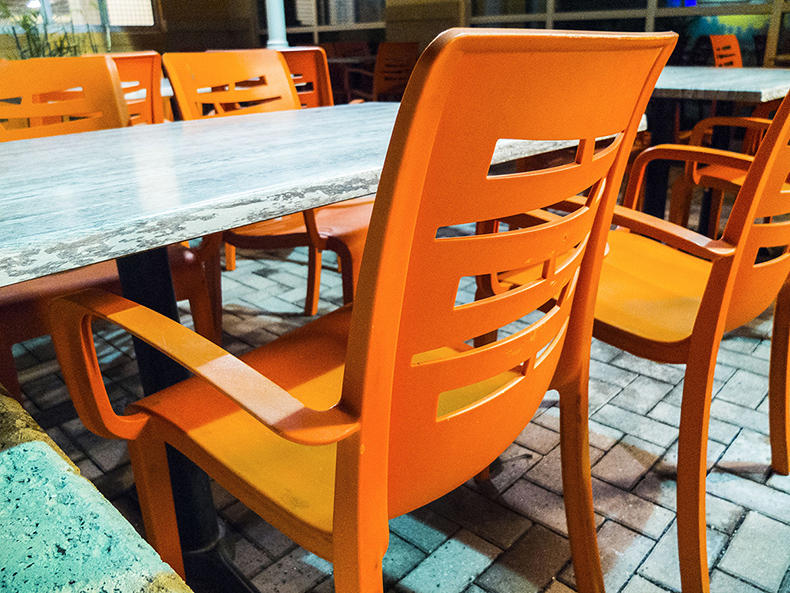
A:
[(674, 235), (702, 127), (263, 399), (696, 155)]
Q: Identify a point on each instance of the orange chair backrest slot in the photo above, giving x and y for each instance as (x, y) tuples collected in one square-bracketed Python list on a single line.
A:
[(215, 84), (310, 74), (412, 375), (52, 96), (726, 51)]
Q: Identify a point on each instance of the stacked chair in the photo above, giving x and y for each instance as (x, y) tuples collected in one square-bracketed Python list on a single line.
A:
[(381, 407), (237, 77), (65, 96), (141, 73), (668, 294)]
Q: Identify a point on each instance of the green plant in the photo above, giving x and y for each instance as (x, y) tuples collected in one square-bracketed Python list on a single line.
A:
[(37, 37)]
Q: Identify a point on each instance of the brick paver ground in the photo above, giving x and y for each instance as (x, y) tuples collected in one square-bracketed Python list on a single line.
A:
[(508, 535)]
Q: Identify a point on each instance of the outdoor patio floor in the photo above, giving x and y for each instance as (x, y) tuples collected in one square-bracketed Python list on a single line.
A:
[(507, 535)]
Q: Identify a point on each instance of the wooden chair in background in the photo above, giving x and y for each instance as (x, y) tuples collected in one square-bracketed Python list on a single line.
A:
[(340, 227), (392, 375), (74, 95), (394, 64)]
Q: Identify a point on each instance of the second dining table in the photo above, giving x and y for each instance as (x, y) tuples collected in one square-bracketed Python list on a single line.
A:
[(124, 194)]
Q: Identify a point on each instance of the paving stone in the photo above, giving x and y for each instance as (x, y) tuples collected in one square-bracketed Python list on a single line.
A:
[(298, 572), (720, 514), (269, 539), (775, 481), (548, 472), (662, 565), (721, 432), (508, 467), (548, 418), (629, 422), (622, 551), (763, 351), (640, 585), (721, 582), (668, 465), (749, 456), (489, 520), (247, 557), (668, 373), (632, 511), (742, 361), (601, 393), (744, 389), (423, 528), (739, 343), (625, 464), (642, 394), (539, 505), (608, 373), (739, 415), (751, 495), (537, 438), (451, 568), (400, 559), (603, 352), (760, 552), (558, 587), (529, 564), (602, 436)]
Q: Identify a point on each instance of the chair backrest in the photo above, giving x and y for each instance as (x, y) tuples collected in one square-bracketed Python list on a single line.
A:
[(394, 64), (415, 385), (726, 51), (141, 78), (214, 84), (758, 226), (52, 96), (310, 74)]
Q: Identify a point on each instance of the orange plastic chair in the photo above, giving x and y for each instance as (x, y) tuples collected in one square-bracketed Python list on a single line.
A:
[(394, 64), (310, 74), (668, 294), (726, 51), (52, 96), (341, 228), (323, 431), (141, 73), (720, 179), (216, 84)]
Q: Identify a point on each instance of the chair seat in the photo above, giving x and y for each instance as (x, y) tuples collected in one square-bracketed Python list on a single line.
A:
[(206, 425), (649, 290)]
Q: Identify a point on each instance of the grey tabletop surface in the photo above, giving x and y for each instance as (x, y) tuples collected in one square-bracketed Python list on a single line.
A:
[(752, 85), (70, 201)]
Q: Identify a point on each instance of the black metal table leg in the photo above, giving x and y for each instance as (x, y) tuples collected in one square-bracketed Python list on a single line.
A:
[(660, 123), (145, 279)]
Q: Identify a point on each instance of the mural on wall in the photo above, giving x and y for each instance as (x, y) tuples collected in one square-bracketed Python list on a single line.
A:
[(751, 31)]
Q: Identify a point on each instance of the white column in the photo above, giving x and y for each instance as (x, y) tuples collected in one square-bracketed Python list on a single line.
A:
[(275, 23)]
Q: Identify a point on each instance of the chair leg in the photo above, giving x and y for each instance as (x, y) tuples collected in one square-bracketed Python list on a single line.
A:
[(152, 478), (577, 487), (313, 281), (692, 472), (8, 373), (230, 257), (778, 394), (716, 203)]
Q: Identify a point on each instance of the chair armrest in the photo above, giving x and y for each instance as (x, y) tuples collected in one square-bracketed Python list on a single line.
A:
[(691, 155), (707, 124), (263, 399), (673, 235)]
